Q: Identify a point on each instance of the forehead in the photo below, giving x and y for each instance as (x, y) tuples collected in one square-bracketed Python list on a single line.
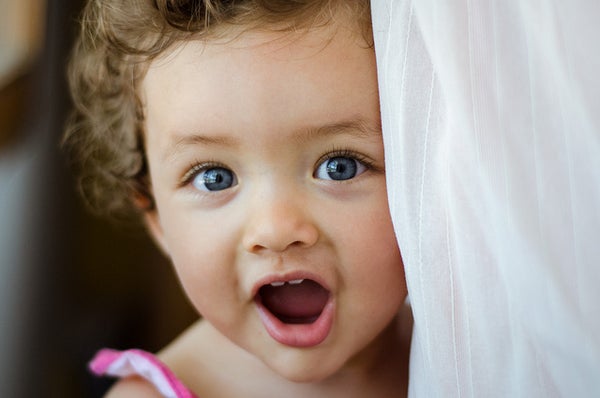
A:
[(260, 81)]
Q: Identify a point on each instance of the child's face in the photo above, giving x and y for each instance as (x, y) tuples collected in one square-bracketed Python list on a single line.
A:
[(267, 164)]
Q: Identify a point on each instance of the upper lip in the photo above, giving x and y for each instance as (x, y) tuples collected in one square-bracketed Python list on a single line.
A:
[(286, 277)]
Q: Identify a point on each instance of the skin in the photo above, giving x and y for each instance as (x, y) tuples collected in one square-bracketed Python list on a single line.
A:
[(273, 108)]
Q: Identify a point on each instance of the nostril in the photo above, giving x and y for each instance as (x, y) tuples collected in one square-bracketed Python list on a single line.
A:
[(274, 247), (280, 240), (255, 249)]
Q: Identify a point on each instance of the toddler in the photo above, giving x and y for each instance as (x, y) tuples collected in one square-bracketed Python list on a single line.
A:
[(246, 135)]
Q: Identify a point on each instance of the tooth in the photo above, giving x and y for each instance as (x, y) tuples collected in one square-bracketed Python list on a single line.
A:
[(296, 282), (277, 284)]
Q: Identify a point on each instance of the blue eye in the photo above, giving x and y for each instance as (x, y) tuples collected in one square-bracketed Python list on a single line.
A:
[(340, 168), (214, 179)]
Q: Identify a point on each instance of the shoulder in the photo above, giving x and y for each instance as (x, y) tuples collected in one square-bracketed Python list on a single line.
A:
[(133, 387), (209, 363)]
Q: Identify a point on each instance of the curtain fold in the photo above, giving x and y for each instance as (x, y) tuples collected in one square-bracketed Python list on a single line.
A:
[(491, 122)]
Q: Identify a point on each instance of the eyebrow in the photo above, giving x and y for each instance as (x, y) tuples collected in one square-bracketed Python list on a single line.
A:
[(183, 141), (357, 128)]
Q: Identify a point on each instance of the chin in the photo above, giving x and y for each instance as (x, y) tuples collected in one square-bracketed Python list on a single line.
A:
[(303, 371)]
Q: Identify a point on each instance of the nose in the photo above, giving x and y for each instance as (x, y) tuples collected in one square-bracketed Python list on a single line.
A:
[(278, 223)]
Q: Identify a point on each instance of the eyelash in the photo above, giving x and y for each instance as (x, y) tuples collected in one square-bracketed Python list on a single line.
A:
[(347, 153), (197, 167)]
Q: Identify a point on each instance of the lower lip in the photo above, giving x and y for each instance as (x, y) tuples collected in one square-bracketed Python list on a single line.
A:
[(298, 335)]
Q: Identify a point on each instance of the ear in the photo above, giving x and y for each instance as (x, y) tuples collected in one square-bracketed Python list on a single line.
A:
[(152, 221)]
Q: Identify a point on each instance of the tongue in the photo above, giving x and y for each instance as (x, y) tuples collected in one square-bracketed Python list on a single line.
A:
[(301, 303)]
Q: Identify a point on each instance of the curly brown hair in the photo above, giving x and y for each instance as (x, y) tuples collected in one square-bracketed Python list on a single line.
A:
[(117, 41)]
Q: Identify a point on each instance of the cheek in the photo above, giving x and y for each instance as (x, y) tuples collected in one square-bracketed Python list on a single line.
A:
[(208, 282), (368, 229), (376, 258), (203, 257), (371, 250), (193, 236)]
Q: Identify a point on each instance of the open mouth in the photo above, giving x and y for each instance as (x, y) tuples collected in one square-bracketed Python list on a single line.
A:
[(295, 302)]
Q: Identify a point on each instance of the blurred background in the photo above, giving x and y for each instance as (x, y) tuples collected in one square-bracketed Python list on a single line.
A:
[(70, 283)]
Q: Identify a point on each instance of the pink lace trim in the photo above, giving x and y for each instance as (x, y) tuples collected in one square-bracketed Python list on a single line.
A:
[(141, 363)]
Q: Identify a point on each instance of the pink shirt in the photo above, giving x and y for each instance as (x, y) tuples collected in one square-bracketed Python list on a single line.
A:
[(140, 363)]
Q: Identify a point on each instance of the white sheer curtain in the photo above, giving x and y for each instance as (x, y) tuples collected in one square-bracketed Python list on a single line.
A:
[(491, 120)]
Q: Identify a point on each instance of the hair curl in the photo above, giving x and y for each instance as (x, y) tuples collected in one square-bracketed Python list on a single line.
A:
[(117, 41)]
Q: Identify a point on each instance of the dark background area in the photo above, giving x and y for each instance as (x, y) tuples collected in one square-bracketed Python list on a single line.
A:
[(86, 282)]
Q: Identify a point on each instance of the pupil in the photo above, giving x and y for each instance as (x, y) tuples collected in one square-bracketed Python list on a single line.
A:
[(341, 168), (218, 179), (338, 167)]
